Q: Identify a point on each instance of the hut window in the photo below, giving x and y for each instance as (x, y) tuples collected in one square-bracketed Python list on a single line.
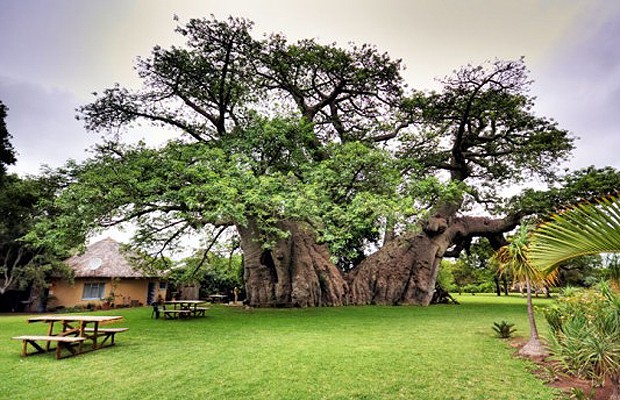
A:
[(93, 291), (162, 285)]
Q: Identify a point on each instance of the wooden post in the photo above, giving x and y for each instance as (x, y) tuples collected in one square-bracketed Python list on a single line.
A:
[(50, 332), (95, 333)]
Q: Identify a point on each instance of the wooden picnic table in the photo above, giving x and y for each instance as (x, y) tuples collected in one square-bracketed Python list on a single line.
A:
[(72, 331), (218, 298), (183, 309)]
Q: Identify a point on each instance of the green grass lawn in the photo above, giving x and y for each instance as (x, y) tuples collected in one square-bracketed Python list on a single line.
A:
[(439, 352)]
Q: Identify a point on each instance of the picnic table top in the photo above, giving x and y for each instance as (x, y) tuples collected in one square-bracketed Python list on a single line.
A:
[(76, 318), (184, 302)]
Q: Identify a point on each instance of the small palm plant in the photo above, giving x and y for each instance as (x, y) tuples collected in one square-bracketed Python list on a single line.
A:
[(514, 258), (504, 329)]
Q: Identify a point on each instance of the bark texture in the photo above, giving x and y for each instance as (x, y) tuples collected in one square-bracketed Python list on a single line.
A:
[(297, 272), (533, 348), (404, 271), (294, 272)]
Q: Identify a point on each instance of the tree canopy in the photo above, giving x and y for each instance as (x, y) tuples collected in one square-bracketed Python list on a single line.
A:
[(302, 144), (7, 153), (23, 202)]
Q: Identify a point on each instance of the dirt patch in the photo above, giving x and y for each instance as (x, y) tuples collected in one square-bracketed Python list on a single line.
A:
[(551, 373)]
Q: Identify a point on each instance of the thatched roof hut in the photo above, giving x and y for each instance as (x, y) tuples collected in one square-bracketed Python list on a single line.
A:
[(104, 259)]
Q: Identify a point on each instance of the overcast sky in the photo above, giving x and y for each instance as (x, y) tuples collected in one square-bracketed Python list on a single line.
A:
[(53, 54)]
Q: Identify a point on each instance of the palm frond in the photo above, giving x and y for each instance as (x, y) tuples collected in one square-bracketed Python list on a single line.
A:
[(514, 257), (588, 228)]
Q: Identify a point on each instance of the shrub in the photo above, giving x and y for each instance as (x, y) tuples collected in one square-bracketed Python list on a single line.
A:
[(585, 327), (504, 329), (486, 287), (471, 288)]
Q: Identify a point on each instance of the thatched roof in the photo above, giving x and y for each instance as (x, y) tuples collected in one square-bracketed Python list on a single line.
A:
[(104, 259)]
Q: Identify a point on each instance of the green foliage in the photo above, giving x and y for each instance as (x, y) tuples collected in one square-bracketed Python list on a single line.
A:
[(480, 127), (504, 329), (585, 327), (471, 272), (577, 186), (579, 394), (185, 189), (7, 153), (215, 272), (346, 197), (22, 203), (515, 258), (587, 228)]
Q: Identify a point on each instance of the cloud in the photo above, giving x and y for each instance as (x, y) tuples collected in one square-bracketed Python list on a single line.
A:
[(42, 125), (580, 87)]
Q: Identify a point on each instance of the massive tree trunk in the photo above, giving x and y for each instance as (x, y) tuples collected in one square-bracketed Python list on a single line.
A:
[(297, 272), (294, 272), (404, 271)]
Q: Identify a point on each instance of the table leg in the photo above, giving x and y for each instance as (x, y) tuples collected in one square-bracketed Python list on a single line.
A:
[(50, 332), (81, 331), (95, 334)]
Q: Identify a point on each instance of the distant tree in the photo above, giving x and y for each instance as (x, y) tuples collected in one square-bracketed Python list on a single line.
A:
[(468, 274), (480, 254), (581, 185), (612, 268), (582, 271), (214, 271), (22, 202), (446, 277), (7, 153)]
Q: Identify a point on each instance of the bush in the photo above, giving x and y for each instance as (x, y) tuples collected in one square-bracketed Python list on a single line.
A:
[(486, 287), (471, 288), (585, 327), (504, 329)]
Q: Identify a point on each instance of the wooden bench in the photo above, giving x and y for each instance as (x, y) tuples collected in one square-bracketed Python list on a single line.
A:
[(173, 314), (107, 333), (62, 342)]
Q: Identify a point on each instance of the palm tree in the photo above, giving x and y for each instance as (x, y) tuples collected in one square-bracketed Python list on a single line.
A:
[(514, 258), (588, 228)]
